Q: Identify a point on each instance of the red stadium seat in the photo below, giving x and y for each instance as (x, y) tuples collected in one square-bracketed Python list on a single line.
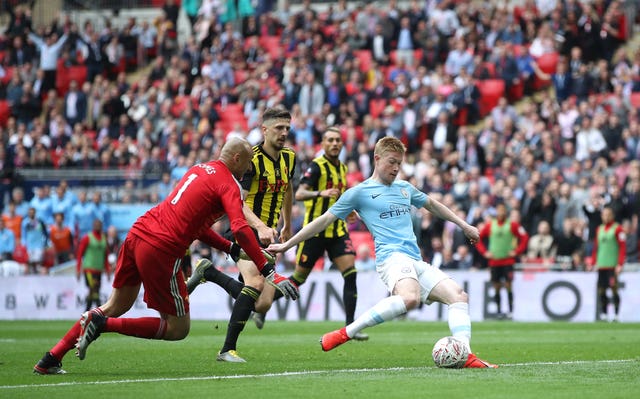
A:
[(376, 107), (78, 73), (161, 3), (55, 157), (66, 74), (398, 104), (635, 100), (393, 57), (225, 125), (179, 105), (329, 31), (240, 76), (233, 108), (362, 237), (5, 112), (247, 43), (8, 74), (417, 56), (490, 92), (547, 64), (365, 59), (90, 134), (231, 114), (491, 69), (516, 92), (460, 118), (272, 45), (518, 49)]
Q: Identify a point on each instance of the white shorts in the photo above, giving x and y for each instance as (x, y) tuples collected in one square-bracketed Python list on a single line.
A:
[(399, 266), (35, 255)]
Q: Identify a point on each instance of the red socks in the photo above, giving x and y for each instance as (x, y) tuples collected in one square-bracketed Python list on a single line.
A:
[(70, 339), (143, 327)]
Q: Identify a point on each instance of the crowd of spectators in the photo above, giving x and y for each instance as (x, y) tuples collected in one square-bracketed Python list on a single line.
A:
[(416, 71)]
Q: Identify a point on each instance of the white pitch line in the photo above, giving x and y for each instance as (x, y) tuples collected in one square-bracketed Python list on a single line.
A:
[(292, 374)]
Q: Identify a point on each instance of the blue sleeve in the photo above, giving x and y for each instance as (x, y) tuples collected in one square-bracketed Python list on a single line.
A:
[(12, 240), (36, 39), (58, 45), (418, 198), (347, 202)]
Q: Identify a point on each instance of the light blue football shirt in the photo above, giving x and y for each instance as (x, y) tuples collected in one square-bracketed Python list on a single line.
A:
[(386, 211)]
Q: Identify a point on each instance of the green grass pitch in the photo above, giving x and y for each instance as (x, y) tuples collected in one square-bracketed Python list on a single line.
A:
[(284, 360)]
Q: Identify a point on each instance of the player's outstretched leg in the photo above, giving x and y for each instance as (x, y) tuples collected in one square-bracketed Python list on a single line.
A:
[(51, 362)]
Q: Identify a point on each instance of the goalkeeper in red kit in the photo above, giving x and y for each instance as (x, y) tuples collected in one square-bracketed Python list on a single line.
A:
[(153, 249)]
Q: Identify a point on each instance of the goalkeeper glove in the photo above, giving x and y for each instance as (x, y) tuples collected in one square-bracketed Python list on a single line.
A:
[(287, 287), (240, 254), (235, 252)]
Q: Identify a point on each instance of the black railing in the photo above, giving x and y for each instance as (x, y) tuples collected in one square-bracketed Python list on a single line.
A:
[(93, 5), (107, 180)]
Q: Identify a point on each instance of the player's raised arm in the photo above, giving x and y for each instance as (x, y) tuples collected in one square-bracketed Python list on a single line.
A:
[(307, 232)]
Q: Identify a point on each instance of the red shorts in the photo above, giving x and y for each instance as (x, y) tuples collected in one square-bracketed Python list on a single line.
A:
[(159, 272)]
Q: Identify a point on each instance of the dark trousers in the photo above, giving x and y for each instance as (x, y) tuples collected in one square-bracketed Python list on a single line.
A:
[(49, 81)]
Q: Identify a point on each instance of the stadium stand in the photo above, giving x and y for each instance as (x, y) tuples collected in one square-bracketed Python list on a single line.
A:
[(177, 103)]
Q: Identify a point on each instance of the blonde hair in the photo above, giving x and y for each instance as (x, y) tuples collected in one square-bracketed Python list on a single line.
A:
[(388, 144)]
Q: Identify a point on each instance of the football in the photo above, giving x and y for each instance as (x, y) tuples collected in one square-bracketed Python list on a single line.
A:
[(450, 352)]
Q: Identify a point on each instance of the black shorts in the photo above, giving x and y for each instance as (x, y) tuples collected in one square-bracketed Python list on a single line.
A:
[(607, 278), (501, 273), (93, 279), (312, 249), (229, 236)]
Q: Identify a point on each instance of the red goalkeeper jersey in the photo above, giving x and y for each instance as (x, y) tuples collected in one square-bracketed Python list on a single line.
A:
[(203, 195)]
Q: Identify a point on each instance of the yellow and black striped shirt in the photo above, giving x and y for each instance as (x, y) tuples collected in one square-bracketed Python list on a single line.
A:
[(323, 175), (267, 183)]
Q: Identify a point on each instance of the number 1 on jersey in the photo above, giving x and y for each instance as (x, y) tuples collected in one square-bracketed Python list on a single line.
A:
[(189, 180)]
